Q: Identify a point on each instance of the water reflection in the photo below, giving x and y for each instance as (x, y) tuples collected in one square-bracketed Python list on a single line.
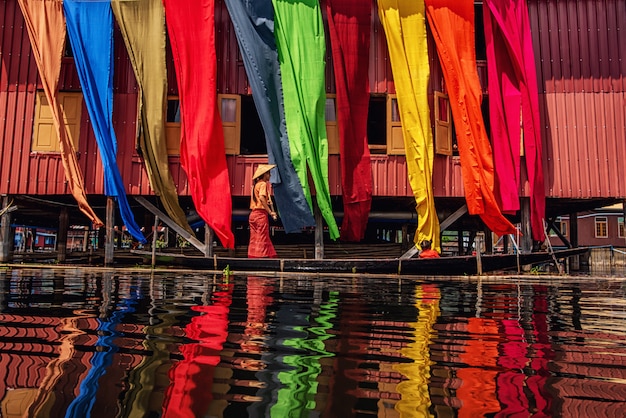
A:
[(80, 343)]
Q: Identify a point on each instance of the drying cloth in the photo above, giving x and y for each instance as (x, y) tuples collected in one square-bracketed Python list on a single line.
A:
[(46, 29), (405, 28), (191, 26), (349, 24), (513, 86), (142, 24), (452, 26), (254, 27), (90, 29), (299, 32)]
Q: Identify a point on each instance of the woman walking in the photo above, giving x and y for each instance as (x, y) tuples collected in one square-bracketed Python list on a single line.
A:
[(260, 245)]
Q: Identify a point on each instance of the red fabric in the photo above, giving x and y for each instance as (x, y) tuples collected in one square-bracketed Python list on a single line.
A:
[(513, 87), (429, 254), (190, 392), (260, 245), (349, 27), (191, 30), (452, 26)]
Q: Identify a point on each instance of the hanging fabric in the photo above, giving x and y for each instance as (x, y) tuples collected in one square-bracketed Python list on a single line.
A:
[(452, 26), (142, 24), (254, 27), (513, 87), (299, 32), (349, 24), (46, 29), (90, 30), (191, 27), (405, 29)]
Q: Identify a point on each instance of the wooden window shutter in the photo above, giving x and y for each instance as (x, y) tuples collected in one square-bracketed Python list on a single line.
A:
[(395, 137), (443, 124), (230, 112), (44, 134), (332, 127)]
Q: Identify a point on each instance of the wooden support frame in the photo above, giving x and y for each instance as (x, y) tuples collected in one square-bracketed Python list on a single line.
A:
[(170, 222)]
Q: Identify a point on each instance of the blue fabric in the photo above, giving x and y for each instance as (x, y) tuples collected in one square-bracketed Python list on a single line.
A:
[(254, 26), (82, 405), (90, 30)]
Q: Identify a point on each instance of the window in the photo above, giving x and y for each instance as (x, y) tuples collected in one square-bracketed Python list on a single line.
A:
[(601, 227), (252, 132), (377, 125), (561, 225), (45, 137), (395, 137), (230, 112), (332, 128), (172, 126), (620, 228), (443, 124)]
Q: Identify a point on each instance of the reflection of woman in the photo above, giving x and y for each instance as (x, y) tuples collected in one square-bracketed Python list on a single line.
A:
[(260, 245)]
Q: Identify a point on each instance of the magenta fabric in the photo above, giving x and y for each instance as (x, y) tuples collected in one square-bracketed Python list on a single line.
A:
[(191, 27), (513, 90), (349, 27)]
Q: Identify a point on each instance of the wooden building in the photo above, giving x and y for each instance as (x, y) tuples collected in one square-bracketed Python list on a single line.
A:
[(580, 53)]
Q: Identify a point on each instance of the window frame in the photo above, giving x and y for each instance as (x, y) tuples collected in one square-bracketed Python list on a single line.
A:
[(601, 222), (43, 117)]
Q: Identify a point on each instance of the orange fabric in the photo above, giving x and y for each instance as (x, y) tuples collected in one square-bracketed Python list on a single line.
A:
[(429, 254), (452, 26), (45, 22)]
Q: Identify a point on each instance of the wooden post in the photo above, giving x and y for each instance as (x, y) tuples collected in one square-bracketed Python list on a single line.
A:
[(155, 234), (573, 239), (526, 245), (5, 231), (479, 240), (208, 241), (319, 234), (109, 242), (64, 224), (459, 242)]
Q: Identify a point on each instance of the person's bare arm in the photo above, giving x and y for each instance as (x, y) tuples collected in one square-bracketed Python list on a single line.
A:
[(267, 208)]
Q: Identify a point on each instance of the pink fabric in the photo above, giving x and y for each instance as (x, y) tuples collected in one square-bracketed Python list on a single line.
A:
[(513, 88), (191, 27)]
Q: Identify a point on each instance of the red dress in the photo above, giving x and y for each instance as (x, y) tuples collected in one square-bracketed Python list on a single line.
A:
[(260, 245)]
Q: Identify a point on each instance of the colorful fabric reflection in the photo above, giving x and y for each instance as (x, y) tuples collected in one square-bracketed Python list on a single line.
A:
[(296, 397), (415, 400), (189, 393)]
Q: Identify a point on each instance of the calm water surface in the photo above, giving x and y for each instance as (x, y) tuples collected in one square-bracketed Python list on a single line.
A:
[(83, 343)]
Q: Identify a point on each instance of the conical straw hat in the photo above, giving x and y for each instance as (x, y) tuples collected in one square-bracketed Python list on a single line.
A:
[(262, 169)]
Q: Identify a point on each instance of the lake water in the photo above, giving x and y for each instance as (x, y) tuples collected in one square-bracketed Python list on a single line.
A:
[(102, 343)]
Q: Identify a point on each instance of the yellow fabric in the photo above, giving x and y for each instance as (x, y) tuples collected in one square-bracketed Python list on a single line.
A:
[(405, 28), (45, 22), (142, 24)]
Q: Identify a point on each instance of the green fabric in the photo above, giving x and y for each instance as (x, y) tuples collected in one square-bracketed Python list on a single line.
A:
[(296, 397), (142, 24), (299, 32)]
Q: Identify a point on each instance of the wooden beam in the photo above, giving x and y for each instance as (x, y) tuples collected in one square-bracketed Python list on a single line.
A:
[(172, 224)]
